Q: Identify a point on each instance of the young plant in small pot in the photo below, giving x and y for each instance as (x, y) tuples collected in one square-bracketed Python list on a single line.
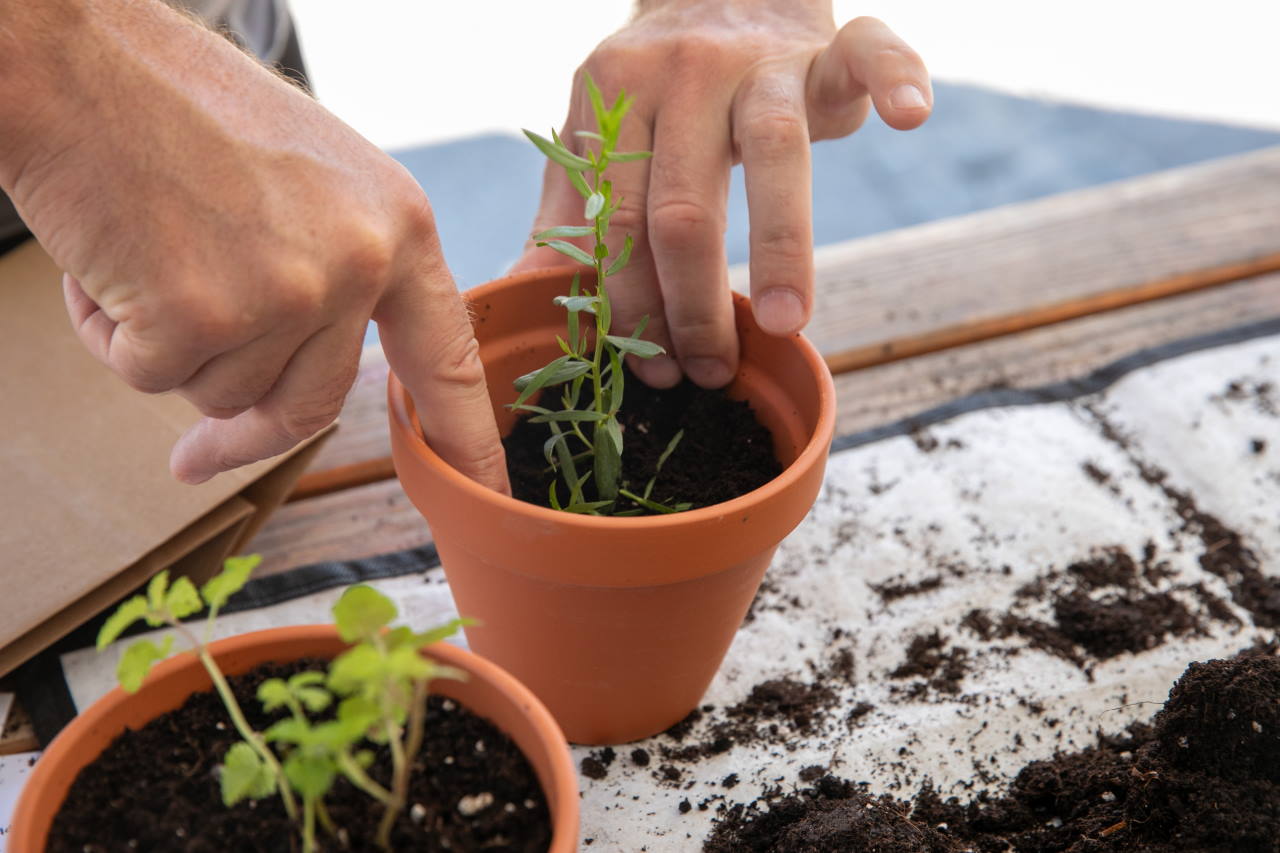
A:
[(242, 744), (617, 623)]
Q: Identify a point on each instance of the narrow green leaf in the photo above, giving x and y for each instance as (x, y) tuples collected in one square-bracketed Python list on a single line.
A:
[(653, 506), (595, 204), (244, 775), (234, 575), (558, 153), (567, 466), (587, 507), (587, 134), (574, 335), (570, 416), (606, 463), (569, 250), (578, 303), (559, 371), (635, 346), (126, 614), (579, 184), (566, 231), (182, 599), (623, 256), (616, 381), (361, 612), (597, 100), (671, 446), (552, 499), (137, 660), (629, 156), (614, 430), (564, 346)]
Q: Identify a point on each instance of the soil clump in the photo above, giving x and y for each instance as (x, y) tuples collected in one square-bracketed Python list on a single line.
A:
[(1203, 776)]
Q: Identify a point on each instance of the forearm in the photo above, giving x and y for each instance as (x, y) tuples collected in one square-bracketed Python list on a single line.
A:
[(67, 65)]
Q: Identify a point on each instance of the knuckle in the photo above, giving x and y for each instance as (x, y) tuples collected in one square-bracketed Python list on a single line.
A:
[(773, 132), (298, 423), (458, 363), (629, 218), (785, 244), (697, 334), (682, 222)]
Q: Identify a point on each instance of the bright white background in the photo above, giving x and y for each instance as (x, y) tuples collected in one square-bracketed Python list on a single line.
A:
[(406, 72)]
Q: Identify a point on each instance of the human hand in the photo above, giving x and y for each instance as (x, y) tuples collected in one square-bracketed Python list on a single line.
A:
[(226, 238), (717, 82)]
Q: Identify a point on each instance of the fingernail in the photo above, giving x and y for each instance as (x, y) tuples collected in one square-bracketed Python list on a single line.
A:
[(780, 312), (707, 372), (907, 97), (659, 372)]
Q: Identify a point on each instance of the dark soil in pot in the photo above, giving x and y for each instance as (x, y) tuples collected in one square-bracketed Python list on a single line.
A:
[(1203, 776), (724, 452), (157, 788)]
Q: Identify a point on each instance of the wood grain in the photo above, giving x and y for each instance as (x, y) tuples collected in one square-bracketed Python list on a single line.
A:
[(378, 518)]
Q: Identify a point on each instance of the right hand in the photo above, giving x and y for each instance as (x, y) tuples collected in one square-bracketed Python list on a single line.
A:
[(226, 238)]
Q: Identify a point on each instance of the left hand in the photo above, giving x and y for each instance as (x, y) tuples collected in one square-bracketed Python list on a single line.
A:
[(717, 82)]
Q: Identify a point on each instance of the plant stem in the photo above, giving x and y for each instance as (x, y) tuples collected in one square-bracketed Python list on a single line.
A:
[(355, 773), (308, 824), (245, 731), (399, 784)]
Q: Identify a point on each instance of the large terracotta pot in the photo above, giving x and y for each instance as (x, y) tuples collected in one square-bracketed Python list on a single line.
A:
[(488, 691), (617, 624)]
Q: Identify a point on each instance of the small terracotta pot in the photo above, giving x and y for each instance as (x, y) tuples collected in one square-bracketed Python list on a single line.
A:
[(617, 624), (489, 692)]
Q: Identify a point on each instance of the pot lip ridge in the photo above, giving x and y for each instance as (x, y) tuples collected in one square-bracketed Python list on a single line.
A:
[(405, 425), (563, 776)]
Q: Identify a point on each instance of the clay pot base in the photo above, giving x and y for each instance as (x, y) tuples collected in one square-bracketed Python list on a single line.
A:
[(724, 452), (159, 785)]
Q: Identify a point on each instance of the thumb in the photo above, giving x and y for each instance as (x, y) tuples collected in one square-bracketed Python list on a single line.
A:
[(427, 337)]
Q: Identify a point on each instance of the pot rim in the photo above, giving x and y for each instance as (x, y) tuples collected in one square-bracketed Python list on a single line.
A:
[(404, 419), (563, 776)]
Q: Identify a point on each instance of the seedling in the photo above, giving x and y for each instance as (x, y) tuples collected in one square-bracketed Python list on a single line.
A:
[(379, 686), (586, 442)]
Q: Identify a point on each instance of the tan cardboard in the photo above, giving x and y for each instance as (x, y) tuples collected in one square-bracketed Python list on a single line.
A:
[(88, 509)]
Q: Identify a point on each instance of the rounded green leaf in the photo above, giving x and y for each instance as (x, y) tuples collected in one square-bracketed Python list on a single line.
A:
[(361, 612)]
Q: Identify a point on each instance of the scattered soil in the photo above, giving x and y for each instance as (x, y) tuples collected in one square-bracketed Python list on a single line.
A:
[(929, 660), (724, 453), (157, 788), (1204, 776)]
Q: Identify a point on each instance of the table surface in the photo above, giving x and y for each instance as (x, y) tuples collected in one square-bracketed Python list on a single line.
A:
[(1018, 296)]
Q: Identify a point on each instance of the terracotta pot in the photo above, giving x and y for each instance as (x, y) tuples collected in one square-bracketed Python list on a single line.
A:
[(617, 624), (489, 691)]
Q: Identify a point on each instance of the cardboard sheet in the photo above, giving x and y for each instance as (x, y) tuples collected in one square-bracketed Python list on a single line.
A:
[(88, 509)]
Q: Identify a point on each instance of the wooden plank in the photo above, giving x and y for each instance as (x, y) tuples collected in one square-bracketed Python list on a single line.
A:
[(378, 518), (995, 272), (890, 392), (1020, 257), (18, 735), (345, 525)]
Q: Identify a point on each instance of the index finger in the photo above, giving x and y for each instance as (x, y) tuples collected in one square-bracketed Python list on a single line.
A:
[(427, 337)]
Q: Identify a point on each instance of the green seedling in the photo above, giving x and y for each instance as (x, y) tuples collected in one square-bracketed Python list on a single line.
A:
[(586, 441), (377, 690)]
